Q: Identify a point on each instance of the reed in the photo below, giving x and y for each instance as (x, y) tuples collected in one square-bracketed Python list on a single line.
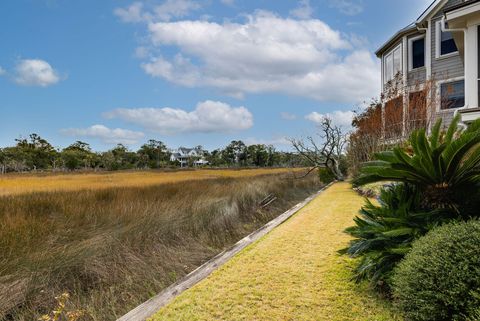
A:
[(113, 248)]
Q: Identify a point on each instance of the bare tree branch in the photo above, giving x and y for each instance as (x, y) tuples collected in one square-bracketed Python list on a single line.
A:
[(327, 151)]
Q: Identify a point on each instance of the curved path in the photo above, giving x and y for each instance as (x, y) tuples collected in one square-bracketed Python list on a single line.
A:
[(293, 273)]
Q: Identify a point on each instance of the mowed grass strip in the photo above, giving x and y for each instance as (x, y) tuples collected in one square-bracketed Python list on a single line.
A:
[(112, 249), (294, 273), (27, 183)]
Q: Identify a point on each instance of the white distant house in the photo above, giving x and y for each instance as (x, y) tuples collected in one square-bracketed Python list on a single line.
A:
[(185, 156)]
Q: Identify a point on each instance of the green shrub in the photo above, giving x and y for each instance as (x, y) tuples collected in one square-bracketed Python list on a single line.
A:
[(326, 175), (442, 173), (440, 278), (383, 233)]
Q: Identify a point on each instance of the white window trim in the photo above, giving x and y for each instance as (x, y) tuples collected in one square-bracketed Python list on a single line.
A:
[(438, 42), (439, 94), (410, 52), (399, 46)]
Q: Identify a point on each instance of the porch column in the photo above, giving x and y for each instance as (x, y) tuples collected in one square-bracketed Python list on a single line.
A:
[(471, 66)]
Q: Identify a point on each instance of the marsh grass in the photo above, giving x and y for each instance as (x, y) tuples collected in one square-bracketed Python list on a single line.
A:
[(114, 248), (21, 183)]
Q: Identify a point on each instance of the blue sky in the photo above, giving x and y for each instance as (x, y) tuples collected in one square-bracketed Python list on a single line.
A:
[(187, 72)]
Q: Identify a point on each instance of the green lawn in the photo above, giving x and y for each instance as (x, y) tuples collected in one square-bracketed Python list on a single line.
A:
[(294, 273)]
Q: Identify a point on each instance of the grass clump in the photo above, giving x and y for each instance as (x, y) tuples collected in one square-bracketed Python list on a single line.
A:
[(113, 248)]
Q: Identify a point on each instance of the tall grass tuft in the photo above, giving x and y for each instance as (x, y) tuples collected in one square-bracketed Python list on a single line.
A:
[(112, 249)]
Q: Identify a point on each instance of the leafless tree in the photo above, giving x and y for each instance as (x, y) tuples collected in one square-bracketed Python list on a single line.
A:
[(325, 149)]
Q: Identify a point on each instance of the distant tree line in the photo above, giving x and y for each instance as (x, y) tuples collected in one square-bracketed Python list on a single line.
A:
[(37, 154)]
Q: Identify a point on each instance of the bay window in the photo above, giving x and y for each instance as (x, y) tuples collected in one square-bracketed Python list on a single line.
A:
[(392, 63)]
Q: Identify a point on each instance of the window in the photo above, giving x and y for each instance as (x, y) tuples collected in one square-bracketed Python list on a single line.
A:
[(416, 52), (392, 63), (452, 94), (445, 43)]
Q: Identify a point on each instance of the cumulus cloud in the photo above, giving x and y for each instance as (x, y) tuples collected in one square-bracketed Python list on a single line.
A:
[(303, 11), (348, 7), (288, 116), (208, 117), (35, 72), (338, 117), (169, 9), (105, 134), (265, 54)]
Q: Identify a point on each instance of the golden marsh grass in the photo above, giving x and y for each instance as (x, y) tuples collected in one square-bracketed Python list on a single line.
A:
[(25, 183), (112, 248)]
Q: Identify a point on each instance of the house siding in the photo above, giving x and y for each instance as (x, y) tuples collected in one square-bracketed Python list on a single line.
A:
[(417, 76), (446, 116), (444, 67)]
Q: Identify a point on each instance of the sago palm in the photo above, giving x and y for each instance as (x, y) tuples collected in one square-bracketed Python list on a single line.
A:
[(443, 166), (383, 233)]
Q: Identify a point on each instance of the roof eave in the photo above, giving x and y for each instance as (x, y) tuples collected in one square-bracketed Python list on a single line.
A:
[(394, 38), (430, 11), (419, 23)]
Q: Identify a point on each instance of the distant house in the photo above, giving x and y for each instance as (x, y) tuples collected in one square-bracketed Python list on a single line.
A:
[(441, 47), (186, 156)]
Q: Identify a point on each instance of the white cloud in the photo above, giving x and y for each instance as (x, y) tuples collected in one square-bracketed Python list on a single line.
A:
[(105, 134), (133, 13), (278, 141), (338, 117), (303, 11), (141, 52), (2, 71), (228, 2), (288, 116), (175, 9), (348, 7), (169, 9), (265, 54), (35, 72), (208, 117)]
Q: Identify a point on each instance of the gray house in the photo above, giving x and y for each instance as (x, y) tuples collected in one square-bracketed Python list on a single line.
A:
[(442, 47)]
